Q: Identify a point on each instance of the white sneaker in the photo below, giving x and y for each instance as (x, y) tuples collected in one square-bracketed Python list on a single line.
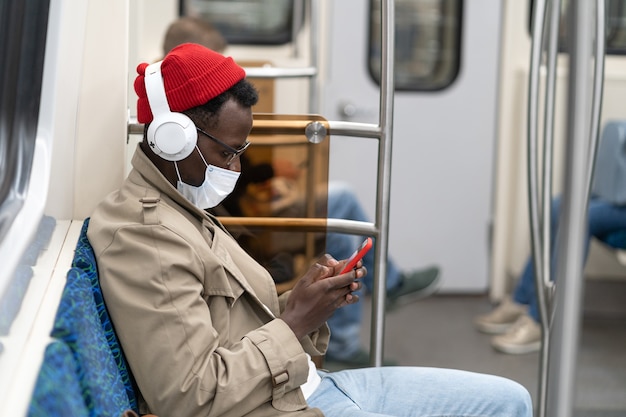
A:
[(501, 318), (523, 337)]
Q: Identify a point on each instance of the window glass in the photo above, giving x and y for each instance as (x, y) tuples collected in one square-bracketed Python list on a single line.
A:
[(427, 37), (615, 26), (23, 26), (22, 44), (256, 22)]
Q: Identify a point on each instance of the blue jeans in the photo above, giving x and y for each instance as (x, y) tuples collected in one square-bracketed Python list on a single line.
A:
[(345, 324), (603, 219), (416, 391)]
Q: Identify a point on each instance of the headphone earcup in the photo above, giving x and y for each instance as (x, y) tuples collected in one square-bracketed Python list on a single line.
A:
[(172, 136)]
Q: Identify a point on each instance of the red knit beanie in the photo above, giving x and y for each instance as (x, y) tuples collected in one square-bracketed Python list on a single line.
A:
[(192, 75)]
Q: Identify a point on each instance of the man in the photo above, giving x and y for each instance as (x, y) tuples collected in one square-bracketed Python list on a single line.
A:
[(344, 348), (199, 320)]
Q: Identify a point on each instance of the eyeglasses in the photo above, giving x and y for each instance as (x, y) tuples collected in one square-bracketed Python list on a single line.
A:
[(232, 152)]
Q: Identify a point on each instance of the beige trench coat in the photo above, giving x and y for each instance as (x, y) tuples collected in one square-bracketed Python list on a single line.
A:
[(195, 315)]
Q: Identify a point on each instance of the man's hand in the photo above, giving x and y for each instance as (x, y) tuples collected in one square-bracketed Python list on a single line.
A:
[(317, 295)]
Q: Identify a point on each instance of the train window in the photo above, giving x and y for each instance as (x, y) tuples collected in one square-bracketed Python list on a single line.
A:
[(615, 27), (427, 37), (253, 22), (21, 51), (22, 45)]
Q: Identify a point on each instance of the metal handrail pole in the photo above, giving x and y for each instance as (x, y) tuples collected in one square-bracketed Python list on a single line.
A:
[(384, 179), (544, 283), (336, 128), (298, 8), (536, 241), (351, 226), (598, 88), (314, 35), (276, 72), (312, 161), (548, 149), (303, 224), (570, 248), (364, 130)]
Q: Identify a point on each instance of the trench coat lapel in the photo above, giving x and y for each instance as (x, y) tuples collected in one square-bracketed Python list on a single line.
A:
[(221, 241)]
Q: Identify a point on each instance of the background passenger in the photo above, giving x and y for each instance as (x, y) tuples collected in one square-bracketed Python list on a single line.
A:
[(516, 320), (190, 29)]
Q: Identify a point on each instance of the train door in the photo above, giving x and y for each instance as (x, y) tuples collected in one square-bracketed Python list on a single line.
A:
[(447, 54)]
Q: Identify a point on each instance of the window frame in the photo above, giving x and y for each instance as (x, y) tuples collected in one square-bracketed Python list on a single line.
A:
[(455, 39), (286, 36), (610, 49)]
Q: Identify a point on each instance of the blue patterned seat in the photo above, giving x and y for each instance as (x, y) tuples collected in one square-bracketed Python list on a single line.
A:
[(84, 259), (77, 324), (57, 390)]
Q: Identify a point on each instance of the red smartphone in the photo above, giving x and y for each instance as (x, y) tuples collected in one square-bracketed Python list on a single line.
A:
[(357, 255)]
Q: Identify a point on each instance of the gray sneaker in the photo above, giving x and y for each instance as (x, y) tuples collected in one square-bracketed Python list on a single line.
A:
[(414, 286), (523, 337), (501, 318)]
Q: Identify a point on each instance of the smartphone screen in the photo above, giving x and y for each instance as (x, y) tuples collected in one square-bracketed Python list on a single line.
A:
[(357, 255)]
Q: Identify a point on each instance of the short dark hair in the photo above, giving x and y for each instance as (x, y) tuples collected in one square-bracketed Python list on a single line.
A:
[(243, 92)]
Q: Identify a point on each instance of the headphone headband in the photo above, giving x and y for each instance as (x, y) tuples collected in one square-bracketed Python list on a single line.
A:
[(155, 89), (171, 135)]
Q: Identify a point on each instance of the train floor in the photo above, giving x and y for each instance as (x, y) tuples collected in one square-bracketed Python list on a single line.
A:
[(438, 332)]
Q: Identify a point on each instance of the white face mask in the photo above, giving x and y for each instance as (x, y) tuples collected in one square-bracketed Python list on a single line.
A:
[(218, 184)]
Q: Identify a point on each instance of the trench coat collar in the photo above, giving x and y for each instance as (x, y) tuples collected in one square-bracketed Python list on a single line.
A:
[(150, 173)]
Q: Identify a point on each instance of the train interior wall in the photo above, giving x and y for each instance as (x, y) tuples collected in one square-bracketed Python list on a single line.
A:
[(100, 43)]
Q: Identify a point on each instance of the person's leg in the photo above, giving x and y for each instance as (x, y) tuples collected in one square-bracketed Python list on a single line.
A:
[(413, 391), (525, 335), (345, 341), (345, 323), (344, 204), (524, 292), (603, 218)]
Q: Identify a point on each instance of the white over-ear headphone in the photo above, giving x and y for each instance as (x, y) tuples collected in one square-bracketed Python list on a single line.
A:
[(171, 135)]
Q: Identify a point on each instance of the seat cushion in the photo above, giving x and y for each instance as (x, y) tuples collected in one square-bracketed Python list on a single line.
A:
[(77, 323), (85, 259), (57, 390)]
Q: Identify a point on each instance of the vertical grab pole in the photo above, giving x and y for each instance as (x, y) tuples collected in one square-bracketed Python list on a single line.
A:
[(548, 150), (543, 280), (312, 160), (298, 8), (315, 34), (570, 239), (537, 244), (384, 179), (598, 88)]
